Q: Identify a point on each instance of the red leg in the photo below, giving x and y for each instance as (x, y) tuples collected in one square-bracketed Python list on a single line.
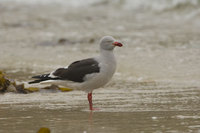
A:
[(90, 100)]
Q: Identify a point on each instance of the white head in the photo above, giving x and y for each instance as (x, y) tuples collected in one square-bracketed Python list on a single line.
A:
[(109, 43)]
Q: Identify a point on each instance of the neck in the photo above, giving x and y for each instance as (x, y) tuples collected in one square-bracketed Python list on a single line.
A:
[(104, 52), (108, 62), (107, 55)]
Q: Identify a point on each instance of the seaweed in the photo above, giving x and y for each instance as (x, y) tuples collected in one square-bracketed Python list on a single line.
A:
[(9, 85)]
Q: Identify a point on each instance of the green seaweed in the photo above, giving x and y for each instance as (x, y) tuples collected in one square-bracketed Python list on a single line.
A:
[(64, 89), (32, 89), (44, 130), (4, 82)]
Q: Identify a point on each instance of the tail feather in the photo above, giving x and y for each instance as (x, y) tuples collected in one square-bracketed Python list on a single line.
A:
[(40, 78), (36, 81)]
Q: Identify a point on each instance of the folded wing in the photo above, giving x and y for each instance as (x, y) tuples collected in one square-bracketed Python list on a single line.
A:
[(74, 72)]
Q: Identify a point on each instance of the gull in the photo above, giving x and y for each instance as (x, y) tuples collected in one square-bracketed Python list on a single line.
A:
[(86, 74)]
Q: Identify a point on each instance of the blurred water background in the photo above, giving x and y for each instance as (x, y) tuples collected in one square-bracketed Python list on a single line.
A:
[(157, 84)]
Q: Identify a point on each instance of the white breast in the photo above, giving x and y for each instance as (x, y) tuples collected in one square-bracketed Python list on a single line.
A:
[(107, 64)]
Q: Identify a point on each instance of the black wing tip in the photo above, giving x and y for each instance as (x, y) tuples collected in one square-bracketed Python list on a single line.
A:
[(41, 76), (36, 77)]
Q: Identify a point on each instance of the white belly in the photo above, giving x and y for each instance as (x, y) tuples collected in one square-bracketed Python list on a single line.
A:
[(97, 80)]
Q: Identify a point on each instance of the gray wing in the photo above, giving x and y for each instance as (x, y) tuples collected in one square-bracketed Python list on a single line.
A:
[(75, 72)]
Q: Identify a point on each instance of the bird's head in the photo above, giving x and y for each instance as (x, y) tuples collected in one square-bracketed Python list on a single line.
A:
[(109, 43)]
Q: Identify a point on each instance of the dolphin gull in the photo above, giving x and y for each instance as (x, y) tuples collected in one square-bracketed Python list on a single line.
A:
[(87, 74)]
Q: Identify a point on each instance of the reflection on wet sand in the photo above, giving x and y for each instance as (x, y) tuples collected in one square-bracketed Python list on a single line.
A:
[(134, 110), (60, 121)]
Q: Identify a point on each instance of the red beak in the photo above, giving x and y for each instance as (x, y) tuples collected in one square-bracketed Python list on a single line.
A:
[(117, 44)]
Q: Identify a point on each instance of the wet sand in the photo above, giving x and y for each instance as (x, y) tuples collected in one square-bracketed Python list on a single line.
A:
[(143, 109), (156, 87), (61, 121)]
